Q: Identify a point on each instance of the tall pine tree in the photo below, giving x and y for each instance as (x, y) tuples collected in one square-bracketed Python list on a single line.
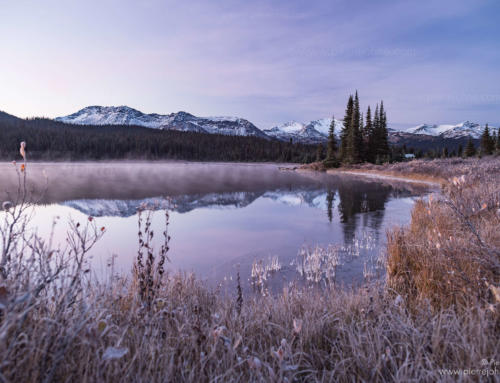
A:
[(354, 137), (497, 146), (470, 149), (331, 159), (373, 140), (346, 128), (367, 134), (382, 136), (319, 153), (487, 143)]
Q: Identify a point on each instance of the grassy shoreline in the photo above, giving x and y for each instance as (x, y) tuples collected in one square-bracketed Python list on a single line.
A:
[(437, 315)]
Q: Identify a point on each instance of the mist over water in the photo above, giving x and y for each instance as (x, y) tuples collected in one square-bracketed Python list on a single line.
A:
[(136, 180), (259, 219)]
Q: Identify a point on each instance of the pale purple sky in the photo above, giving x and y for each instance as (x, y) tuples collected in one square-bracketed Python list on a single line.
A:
[(267, 61)]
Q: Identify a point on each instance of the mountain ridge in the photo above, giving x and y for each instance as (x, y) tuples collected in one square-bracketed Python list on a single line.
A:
[(462, 129), (182, 121), (313, 132)]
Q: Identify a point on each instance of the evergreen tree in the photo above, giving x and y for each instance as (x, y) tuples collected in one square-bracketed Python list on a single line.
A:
[(445, 152), (460, 150), (354, 137), (498, 141), (494, 140), (373, 137), (487, 143), (331, 159), (346, 128), (383, 139), (367, 134), (358, 132), (470, 149), (319, 153), (368, 125), (379, 141)]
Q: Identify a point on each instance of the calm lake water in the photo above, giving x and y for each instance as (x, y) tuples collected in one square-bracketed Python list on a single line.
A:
[(255, 218)]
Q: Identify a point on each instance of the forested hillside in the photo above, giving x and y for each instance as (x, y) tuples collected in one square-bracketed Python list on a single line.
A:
[(50, 140)]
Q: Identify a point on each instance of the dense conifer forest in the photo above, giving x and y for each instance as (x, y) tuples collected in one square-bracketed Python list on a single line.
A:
[(360, 141), (50, 140), (362, 138)]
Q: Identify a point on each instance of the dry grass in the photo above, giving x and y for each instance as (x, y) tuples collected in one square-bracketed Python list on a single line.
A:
[(450, 253), (58, 324)]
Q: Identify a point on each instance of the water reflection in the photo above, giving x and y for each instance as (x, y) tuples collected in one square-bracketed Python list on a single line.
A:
[(330, 197), (354, 196), (355, 200), (255, 216)]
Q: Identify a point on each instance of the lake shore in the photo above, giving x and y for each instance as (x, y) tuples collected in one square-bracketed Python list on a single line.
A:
[(380, 175)]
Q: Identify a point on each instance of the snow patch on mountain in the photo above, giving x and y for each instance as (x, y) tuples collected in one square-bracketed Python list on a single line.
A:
[(182, 121), (323, 126), (291, 127), (313, 132), (463, 129)]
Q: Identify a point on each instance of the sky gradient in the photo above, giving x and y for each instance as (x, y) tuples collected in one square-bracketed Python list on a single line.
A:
[(267, 61)]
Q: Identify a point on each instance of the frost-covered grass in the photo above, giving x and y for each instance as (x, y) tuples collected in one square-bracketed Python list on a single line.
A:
[(437, 311), (438, 170), (192, 334)]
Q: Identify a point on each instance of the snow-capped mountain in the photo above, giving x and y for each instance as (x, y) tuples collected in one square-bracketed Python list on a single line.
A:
[(463, 129), (323, 126), (317, 131), (124, 115), (313, 132)]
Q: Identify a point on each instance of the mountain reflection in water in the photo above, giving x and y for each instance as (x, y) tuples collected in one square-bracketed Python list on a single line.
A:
[(225, 215)]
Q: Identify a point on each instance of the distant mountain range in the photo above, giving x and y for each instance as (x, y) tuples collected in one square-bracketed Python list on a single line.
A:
[(464, 129), (421, 137), (312, 132)]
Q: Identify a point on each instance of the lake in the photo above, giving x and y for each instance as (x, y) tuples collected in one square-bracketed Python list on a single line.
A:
[(275, 226)]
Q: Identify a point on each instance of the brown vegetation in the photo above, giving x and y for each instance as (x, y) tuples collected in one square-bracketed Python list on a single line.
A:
[(450, 253)]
